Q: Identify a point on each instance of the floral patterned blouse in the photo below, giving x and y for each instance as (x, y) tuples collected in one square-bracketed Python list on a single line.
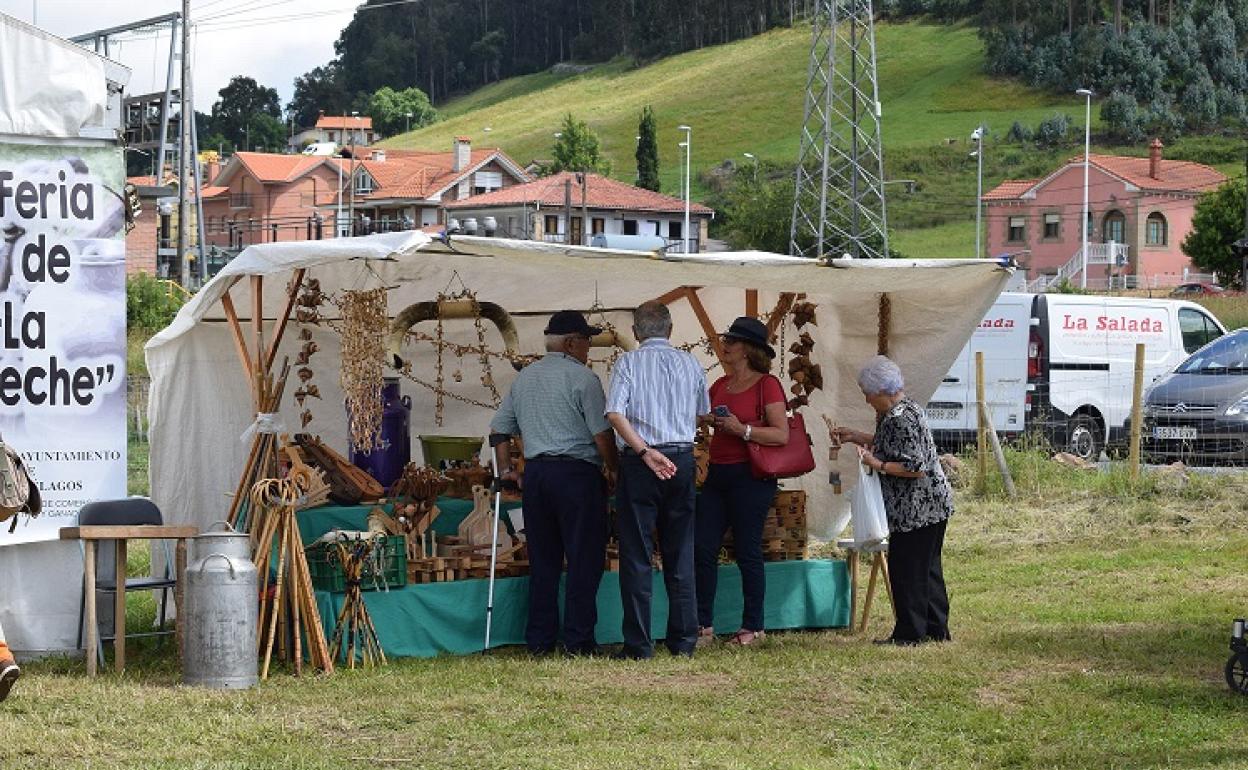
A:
[(903, 437)]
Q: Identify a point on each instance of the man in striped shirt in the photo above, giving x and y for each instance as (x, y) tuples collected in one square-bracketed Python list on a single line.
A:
[(657, 393)]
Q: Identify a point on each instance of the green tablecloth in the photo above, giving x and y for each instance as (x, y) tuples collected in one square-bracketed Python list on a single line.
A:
[(315, 522), (429, 619)]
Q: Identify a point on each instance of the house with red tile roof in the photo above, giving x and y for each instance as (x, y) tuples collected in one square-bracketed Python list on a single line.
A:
[(1139, 211), (262, 197), (570, 207)]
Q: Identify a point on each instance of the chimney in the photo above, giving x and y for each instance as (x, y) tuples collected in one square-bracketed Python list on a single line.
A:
[(463, 153), (1154, 159), (379, 155), (212, 169)]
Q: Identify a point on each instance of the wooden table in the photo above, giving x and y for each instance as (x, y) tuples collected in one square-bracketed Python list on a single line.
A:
[(90, 537)]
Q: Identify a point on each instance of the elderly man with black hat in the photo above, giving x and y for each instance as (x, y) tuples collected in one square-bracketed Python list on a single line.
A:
[(557, 404), (748, 404)]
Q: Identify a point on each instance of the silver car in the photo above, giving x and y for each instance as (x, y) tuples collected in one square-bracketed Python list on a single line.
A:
[(1199, 413)]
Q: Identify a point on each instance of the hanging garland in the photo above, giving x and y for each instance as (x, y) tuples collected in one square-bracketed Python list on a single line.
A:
[(364, 322)]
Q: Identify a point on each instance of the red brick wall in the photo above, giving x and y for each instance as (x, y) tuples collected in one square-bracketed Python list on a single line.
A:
[(141, 241)]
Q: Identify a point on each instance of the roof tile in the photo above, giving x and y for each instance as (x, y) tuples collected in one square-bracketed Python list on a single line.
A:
[(1173, 176), (601, 193)]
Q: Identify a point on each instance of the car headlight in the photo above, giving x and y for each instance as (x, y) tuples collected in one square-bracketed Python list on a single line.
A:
[(1238, 408)]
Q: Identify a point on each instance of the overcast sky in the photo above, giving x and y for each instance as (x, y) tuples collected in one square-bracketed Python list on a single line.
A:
[(273, 41)]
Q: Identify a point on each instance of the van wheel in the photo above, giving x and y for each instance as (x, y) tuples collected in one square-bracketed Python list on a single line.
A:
[(1083, 440)]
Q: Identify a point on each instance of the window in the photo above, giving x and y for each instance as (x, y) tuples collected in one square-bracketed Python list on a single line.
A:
[(658, 227), (630, 226), (1197, 329), (1156, 232), (599, 225), (552, 224), (1052, 225), (486, 181), (1018, 229), (363, 183), (1115, 229), (673, 230)]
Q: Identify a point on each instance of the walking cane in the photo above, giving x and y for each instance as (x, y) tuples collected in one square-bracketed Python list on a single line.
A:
[(498, 502)]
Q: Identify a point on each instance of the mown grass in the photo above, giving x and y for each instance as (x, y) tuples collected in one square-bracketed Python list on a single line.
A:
[(1090, 625)]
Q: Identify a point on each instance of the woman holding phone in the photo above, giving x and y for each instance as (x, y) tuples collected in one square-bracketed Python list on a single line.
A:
[(747, 405)]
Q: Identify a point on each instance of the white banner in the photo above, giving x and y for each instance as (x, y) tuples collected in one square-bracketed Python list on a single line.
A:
[(63, 326)]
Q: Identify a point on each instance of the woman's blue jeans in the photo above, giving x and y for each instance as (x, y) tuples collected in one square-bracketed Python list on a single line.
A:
[(732, 497)]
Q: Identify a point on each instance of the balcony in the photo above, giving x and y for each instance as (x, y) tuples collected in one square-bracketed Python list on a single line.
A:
[(240, 200)]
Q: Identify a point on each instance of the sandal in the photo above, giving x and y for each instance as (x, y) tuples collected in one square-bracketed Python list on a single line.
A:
[(745, 637), (706, 637)]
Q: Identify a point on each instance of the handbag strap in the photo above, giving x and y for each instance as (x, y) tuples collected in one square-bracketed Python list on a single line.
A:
[(762, 415)]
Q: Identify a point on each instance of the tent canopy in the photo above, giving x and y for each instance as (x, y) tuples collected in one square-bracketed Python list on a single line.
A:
[(201, 398)]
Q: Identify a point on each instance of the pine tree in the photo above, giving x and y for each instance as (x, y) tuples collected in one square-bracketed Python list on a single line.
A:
[(647, 151)]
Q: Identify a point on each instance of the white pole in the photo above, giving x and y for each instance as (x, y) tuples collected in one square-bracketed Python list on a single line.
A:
[(1087, 143), (979, 188), (338, 220), (498, 503), (688, 154)]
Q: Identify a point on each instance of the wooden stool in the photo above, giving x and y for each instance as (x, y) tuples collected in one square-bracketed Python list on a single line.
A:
[(879, 566)]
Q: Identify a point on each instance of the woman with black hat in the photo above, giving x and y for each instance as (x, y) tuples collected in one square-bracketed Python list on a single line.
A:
[(747, 405)]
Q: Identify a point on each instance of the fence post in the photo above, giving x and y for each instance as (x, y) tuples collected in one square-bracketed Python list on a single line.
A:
[(981, 435), (1137, 403)]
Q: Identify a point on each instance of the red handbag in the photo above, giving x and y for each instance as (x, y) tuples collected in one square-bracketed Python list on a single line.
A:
[(789, 460)]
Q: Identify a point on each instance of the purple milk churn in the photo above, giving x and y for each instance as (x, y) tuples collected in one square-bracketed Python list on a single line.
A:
[(386, 463)]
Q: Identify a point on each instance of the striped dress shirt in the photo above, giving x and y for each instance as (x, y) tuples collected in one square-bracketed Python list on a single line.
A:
[(660, 391)]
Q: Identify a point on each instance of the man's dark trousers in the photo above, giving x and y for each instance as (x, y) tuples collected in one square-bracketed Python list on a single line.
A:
[(645, 502), (565, 514)]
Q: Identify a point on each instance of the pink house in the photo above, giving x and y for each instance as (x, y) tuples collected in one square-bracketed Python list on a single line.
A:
[(1139, 212)]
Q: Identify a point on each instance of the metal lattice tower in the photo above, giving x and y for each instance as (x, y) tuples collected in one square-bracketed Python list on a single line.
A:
[(839, 205)]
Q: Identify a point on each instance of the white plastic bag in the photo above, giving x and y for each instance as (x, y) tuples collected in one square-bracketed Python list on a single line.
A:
[(867, 509)]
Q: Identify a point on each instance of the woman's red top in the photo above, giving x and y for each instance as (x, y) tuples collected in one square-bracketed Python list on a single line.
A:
[(748, 407)]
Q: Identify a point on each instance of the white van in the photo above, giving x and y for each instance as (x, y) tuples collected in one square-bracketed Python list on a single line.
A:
[(1062, 366)]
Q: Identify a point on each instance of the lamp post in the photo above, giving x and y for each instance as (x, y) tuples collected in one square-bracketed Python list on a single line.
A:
[(688, 145), (1086, 93), (978, 137), (408, 122), (351, 181), (754, 160)]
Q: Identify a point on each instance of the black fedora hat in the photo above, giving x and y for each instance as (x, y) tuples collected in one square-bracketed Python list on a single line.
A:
[(750, 330), (570, 322)]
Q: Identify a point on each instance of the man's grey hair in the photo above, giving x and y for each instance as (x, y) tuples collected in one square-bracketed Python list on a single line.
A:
[(652, 319), (880, 376), (554, 342)]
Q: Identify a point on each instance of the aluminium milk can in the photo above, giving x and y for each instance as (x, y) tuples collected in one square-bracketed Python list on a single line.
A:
[(221, 609)]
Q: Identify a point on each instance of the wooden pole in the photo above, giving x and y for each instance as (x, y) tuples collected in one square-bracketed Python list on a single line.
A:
[(751, 303), (1137, 403), (704, 319), (284, 318), (981, 437), (997, 452)]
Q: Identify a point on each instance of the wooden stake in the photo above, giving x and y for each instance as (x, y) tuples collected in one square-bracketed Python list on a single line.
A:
[(1137, 408), (981, 436), (284, 318)]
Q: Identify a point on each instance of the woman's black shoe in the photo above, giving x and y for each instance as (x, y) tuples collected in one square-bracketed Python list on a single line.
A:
[(897, 642)]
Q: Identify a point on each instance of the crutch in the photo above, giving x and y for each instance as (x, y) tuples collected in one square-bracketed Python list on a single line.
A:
[(498, 503)]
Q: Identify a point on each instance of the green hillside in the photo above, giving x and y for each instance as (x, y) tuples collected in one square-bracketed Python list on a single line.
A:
[(748, 97), (742, 97)]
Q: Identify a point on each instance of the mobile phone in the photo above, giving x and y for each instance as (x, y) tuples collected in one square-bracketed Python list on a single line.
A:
[(720, 411)]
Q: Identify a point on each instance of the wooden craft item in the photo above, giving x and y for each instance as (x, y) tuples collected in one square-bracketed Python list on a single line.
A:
[(348, 484), (478, 527), (310, 481), (467, 476)]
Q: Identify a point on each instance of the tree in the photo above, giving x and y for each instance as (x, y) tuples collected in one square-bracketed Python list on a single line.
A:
[(577, 149), (242, 101), (318, 90), (647, 151), (1217, 224), (757, 209), (389, 110), (265, 133)]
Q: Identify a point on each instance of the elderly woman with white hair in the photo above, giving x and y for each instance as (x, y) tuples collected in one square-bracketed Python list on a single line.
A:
[(917, 499)]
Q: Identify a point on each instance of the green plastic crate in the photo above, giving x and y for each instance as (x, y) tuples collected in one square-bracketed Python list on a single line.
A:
[(385, 568)]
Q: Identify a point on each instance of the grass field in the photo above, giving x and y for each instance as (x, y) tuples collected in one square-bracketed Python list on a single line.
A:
[(1090, 622), (741, 97)]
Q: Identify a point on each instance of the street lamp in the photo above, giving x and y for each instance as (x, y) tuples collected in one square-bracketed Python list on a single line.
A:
[(754, 160), (408, 124), (351, 212), (688, 145), (978, 137), (1086, 93)]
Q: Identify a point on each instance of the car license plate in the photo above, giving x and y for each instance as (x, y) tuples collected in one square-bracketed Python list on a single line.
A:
[(1171, 432), (945, 414)]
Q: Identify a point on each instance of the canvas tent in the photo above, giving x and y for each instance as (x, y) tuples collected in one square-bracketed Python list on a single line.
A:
[(201, 400)]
